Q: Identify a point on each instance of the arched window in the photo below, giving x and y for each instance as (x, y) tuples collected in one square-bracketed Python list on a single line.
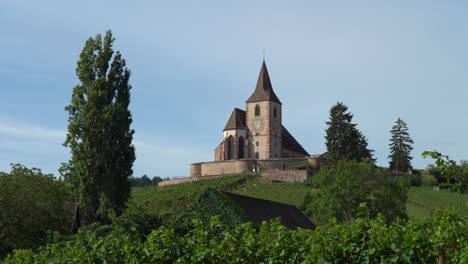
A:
[(230, 149), (257, 156), (241, 148), (257, 110), (274, 112)]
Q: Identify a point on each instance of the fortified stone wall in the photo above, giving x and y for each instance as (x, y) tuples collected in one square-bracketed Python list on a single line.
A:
[(279, 164), (186, 180), (285, 175), (227, 167)]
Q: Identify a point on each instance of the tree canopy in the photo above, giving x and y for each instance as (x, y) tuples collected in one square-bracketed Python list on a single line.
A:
[(348, 188), (99, 133), (343, 139), (31, 203)]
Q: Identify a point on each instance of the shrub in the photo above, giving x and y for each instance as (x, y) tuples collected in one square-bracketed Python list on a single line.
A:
[(31, 204), (344, 186), (427, 179)]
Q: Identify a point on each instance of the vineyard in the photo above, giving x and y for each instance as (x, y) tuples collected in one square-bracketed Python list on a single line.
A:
[(423, 200), (364, 241), (176, 205), (172, 224), (165, 198)]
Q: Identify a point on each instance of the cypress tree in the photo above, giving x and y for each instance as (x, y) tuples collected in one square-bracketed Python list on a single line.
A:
[(99, 133), (343, 139), (400, 147)]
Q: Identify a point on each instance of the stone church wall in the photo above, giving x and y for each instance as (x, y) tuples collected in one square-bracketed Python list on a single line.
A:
[(227, 167), (285, 175)]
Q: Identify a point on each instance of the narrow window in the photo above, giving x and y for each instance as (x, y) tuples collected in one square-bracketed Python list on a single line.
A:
[(257, 155), (230, 149), (257, 110), (241, 148), (257, 143), (274, 112)]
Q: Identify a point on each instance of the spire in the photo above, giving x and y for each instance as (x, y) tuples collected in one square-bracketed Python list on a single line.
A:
[(264, 90)]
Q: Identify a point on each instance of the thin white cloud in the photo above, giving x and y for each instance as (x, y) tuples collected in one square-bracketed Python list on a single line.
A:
[(30, 131), (39, 146)]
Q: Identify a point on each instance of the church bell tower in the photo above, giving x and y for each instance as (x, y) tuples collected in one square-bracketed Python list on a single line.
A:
[(263, 119)]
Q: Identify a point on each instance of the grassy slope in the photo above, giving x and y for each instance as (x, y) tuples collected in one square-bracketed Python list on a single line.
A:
[(422, 200), (160, 200), (290, 193)]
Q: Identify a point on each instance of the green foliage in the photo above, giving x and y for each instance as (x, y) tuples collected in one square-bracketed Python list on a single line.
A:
[(347, 184), (343, 139), (31, 203), (364, 241), (453, 172), (427, 179), (99, 133), (136, 222), (408, 180), (175, 204), (212, 202), (144, 181), (400, 147)]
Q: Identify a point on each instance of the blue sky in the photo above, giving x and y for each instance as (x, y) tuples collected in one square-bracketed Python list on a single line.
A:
[(192, 62)]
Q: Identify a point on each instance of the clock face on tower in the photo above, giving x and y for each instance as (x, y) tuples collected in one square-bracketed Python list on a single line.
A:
[(257, 124)]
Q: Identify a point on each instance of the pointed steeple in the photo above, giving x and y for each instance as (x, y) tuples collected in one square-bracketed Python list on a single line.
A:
[(264, 90)]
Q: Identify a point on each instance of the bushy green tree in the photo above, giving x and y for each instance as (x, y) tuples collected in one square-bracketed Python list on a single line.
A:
[(453, 172), (344, 186), (343, 139), (31, 203), (400, 147), (99, 133), (144, 181)]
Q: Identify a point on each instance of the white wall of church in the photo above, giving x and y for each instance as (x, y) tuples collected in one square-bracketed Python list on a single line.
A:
[(235, 133)]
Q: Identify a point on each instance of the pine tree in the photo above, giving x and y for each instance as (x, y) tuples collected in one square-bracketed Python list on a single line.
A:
[(343, 139), (99, 133), (400, 147), (364, 153)]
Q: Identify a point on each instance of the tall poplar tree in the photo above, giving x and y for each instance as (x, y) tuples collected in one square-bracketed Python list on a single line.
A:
[(99, 133), (400, 147), (344, 141)]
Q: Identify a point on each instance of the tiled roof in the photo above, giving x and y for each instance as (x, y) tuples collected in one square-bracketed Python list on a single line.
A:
[(259, 210), (236, 120), (290, 143), (264, 90)]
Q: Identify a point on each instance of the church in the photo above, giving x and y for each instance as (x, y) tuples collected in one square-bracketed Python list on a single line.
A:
[(258, 132), (255, 138)]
